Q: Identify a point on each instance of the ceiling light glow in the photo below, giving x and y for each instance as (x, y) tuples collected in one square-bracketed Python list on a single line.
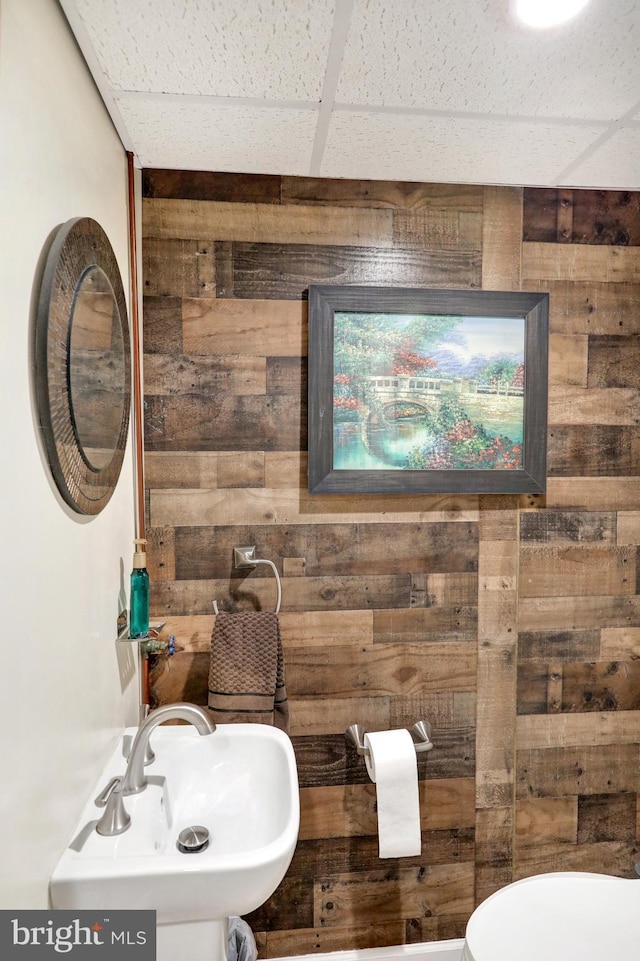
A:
[(547, 13)]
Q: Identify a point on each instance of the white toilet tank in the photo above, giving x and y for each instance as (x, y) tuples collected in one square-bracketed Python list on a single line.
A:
[(568, 916)]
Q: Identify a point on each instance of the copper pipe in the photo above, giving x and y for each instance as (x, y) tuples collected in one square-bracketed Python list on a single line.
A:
[(144, 681), (136, 406)]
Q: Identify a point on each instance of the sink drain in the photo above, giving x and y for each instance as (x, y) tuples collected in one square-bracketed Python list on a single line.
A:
[(193, 839)]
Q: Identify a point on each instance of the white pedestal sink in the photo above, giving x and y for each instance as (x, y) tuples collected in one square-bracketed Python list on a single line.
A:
[(241, 784)]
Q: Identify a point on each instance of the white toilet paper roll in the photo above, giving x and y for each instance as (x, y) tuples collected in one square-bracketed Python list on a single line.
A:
[(393, 767)]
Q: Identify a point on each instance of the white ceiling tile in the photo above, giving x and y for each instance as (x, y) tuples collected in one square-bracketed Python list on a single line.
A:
[(613, 166), (207, 136), (469, 55), (381, 146), (267, 49), (461, 93)]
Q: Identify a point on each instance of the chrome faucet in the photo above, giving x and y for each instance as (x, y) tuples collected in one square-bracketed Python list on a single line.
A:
[(115, 819)]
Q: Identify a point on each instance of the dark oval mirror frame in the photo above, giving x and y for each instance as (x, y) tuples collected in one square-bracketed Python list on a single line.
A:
[(79, 244)]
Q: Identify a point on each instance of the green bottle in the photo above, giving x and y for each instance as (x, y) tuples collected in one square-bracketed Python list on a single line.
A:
[(139, 598)]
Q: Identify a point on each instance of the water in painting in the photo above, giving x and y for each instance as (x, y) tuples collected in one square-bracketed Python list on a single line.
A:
[(427, 392)]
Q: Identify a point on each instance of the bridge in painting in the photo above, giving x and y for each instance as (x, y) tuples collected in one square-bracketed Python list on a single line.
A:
[(422, 391), (419, 395)]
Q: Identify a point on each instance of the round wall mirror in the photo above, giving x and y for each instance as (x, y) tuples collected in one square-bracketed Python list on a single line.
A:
[(83, 365)]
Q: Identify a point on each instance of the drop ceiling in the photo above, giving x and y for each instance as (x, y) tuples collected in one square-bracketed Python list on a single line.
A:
[(453, 91)]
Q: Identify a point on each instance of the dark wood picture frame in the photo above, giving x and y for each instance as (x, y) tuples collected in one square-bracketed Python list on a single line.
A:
[(325, 301)]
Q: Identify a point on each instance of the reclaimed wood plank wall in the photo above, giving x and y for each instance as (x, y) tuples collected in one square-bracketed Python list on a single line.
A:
[(511, 623)]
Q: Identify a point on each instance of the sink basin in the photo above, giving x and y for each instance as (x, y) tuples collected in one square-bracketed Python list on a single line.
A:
[(240, 783)]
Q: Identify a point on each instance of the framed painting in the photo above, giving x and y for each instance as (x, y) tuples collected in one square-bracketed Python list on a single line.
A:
[(427, 391)]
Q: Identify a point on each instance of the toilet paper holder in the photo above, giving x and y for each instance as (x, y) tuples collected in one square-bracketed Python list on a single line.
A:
[(420, 734)]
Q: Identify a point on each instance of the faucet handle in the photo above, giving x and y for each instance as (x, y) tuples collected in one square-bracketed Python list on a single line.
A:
[(103, 797), (115, 819), (149, 756)]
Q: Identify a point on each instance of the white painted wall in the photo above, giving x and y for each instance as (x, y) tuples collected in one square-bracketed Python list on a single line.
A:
[(66, 689)]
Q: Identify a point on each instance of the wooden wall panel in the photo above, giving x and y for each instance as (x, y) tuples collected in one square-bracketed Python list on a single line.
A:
[(612, 362), (580, 264), (501, 238), (594, 449), (511, 623), (497, 602), (205, 185), (577, 405), (552, 571), (265, 271), (274, 328), (178, 268), (593, 493), (410, 892), (568, 356), (608, 217), (589, 307), (574, 730), (415, 197), (274, 224), (578, 727), (496, 693), (568, 527)]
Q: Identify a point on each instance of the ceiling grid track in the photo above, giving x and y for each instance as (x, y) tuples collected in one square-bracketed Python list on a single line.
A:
[(342, 19)]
